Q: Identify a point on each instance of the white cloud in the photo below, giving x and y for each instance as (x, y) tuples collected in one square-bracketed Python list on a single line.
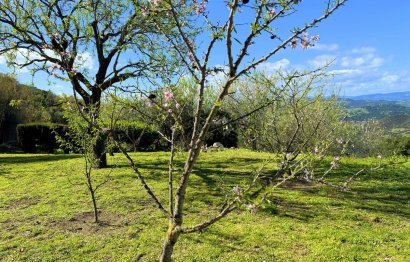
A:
[(367, 60), (346, 72), (85, 60), (390, 78), (365, 49), (325, 47), (270, 67), (361, 71), (321, 60)]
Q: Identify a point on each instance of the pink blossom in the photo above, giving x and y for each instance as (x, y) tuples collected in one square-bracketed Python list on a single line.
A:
[(294, 43), (74, 70), (55, 66), (200, 7), (314, 38), (237, 190), (305, 45), (168, 95), (177, 105), (169, 111), (272, 12), (305, 36), (45, 46)]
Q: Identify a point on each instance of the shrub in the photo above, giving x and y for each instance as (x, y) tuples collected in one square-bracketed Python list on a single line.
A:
[(39, 137), (396, 145), (138, 137)]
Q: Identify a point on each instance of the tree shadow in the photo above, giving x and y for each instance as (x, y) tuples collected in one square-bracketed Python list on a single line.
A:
[(26, 159)]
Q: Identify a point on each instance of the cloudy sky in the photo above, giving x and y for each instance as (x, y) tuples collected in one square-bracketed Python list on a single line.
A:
[(367, 41)]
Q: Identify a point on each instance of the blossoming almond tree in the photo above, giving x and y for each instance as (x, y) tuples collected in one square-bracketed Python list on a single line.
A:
[(237, 34), (93, 44)]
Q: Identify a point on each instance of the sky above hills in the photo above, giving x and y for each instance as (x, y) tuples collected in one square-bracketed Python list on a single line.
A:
[(367, 40)]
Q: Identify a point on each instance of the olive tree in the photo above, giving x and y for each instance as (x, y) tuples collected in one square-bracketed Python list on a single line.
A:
[(294, 119)]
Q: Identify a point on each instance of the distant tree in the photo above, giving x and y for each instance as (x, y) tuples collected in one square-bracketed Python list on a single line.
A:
[(292, 119), (8, 89), (22, 104)]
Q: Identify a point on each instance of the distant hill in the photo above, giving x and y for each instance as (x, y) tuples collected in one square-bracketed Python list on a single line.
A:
[(361, 110), (397, 96)]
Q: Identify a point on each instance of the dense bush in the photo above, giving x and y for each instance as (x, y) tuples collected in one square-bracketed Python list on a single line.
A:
[(138, 137), (39, 137), (397, 145)]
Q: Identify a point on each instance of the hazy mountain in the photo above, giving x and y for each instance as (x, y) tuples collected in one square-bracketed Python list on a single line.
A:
[(396, 96)]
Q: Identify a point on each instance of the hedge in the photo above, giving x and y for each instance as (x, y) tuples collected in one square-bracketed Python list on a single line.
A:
[(39, 137), (139, 137)]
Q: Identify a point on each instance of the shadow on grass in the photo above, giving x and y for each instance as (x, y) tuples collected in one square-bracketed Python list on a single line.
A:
[(388, 200), (384, 192), (26, 159)]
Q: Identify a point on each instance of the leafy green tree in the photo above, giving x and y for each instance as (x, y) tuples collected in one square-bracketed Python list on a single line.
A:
[(23, 104), (62, 37)]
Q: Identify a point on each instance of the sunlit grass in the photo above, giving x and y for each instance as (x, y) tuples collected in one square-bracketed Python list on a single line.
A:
[(46, 212)]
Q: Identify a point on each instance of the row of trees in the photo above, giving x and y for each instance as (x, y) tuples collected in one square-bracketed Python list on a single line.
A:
[(23, 103)]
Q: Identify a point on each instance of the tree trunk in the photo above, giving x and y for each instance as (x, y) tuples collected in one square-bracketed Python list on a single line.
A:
[(169, 243), (100, 150), (96, 220)]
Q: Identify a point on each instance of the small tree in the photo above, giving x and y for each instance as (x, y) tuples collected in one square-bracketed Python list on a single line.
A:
[(191, 18), (81, 137)]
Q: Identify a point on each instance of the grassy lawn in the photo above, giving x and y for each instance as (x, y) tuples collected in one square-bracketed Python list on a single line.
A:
[(45, 213)]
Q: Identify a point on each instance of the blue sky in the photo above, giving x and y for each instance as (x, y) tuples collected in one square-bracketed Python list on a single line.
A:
[(367, 39)]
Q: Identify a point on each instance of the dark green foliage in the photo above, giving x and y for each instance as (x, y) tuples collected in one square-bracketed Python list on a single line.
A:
[(34, 137), (397, 145), (137, 137), (24, 104), (360, 110), (222, 132)]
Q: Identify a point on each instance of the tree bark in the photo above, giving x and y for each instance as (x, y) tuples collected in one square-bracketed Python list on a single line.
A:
[(100, 150), (171, 239), (96, 220)]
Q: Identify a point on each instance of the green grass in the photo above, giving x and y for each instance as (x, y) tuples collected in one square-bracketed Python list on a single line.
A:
[(45, 213)]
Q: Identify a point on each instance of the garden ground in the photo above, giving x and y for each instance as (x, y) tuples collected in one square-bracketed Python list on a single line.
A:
[(46, 212)]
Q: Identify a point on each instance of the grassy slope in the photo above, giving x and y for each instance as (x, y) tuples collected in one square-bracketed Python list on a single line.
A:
[(45, 213)]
